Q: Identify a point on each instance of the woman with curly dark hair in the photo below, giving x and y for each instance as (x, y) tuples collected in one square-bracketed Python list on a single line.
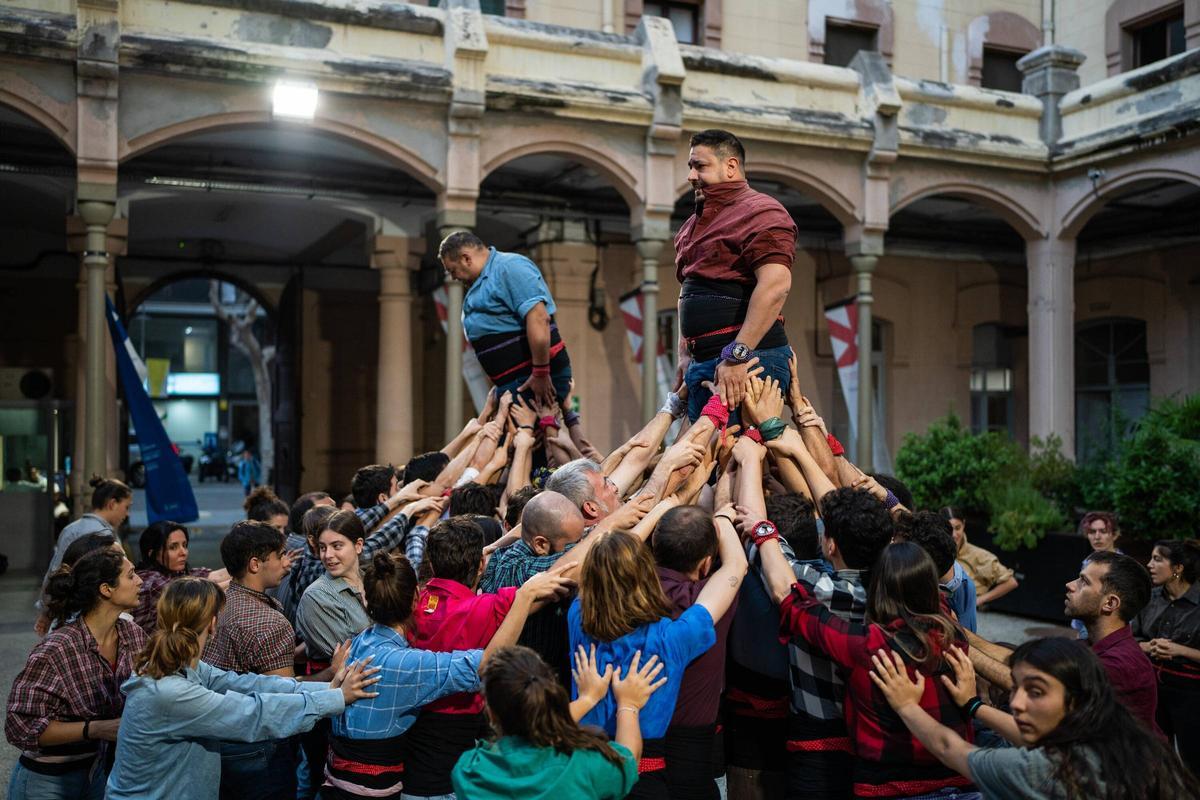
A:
[(1073, 738), (66, 705)]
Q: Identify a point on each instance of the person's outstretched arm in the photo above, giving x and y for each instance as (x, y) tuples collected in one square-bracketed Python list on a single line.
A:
[(722, 587)]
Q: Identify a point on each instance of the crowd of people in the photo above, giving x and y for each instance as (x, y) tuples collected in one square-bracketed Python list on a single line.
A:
[(509, 618), (722, 605)]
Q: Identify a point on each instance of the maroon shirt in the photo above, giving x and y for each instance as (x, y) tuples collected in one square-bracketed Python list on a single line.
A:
[(737, 231), (1130, 673), (704, 679)]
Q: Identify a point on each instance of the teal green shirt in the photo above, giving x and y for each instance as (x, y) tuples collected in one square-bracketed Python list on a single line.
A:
[(513, 768)]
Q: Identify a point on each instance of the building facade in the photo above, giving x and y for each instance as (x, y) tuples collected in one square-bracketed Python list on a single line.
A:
[(1015, 184)]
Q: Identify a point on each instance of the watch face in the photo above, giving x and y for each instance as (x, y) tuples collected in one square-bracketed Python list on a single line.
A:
[(763, 530), (741, 352)]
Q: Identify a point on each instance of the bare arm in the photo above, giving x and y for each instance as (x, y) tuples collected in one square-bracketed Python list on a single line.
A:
[(643, 447), (990, 660), (996, 592), (790, 445), (791, 476), (722, 587), (455, 445), (773, 282)]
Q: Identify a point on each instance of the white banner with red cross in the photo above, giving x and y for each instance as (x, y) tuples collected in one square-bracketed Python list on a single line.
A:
[(631, 311), (842, 319)]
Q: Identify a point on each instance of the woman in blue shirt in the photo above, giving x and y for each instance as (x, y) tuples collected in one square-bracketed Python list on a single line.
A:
[(366, 750), (621, 609), (178, 707)]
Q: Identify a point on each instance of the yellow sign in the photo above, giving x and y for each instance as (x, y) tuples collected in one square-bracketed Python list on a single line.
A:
[(157, 369)]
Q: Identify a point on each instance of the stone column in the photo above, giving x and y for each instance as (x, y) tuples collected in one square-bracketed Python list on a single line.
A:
[(864, 265), (454, 348), (395, 409), (566, 257), (1050, 72), (98, 239), (1051, 265), (649, 251)]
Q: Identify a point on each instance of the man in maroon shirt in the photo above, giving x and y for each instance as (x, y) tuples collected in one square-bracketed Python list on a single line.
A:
[(1110, 591), (685, 548), (733, 259)]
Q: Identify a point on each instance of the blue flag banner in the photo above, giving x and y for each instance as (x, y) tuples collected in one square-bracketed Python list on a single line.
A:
[(168, 492)]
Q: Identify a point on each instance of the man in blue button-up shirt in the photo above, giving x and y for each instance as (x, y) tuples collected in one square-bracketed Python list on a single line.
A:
[(508, 316)]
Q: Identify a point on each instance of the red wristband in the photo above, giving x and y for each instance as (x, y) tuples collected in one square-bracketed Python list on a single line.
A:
[(835, 445), (715, 410), (548, 422), (542, 371), (755, 434)]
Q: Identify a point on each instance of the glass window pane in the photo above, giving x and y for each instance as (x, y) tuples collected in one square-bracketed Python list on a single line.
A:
[(683, 19), (652, 9), (1000, 70), (997, 412), (1176, 40), (1133, 372), (842, 42)]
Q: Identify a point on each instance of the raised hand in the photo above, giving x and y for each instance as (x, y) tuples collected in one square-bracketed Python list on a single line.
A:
[(592, 685), (631, 513), (795, 398), (962, 685), (764, 401), (635, 688), (338, 662), (489, 406), (523, 414), (546, 586), (891, 676), (358, 680)]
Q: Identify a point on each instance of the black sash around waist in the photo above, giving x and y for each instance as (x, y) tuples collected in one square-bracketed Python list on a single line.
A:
[(433, 745), (505, 356), (711, 313), (374, 766)]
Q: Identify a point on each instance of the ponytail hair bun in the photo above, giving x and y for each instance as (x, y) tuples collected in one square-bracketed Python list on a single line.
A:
[(185, 610), (106, 490), (75, 590), (390, 584)]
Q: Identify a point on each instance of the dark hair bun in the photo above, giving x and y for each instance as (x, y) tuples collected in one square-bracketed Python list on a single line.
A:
[(383, 564), (96, 482)]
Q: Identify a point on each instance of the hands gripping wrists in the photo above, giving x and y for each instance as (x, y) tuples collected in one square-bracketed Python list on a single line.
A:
[(675, 406)]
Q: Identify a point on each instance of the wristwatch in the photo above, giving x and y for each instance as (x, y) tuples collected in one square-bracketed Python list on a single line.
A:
[(764, 532), (737, 352)]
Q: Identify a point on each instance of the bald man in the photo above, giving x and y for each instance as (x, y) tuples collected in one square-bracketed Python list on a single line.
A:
[(551, 527)]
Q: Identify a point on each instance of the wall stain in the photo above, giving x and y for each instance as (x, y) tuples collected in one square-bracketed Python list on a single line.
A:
[(266, 29)]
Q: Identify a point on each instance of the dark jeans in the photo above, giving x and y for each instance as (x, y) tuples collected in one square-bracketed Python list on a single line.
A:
[(774, 362), (258, 770)]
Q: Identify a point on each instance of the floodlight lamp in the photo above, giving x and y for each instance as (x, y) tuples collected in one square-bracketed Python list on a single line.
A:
[(292, 100)]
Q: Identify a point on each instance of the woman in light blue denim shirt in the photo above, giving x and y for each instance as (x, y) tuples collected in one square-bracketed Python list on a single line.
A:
[(180, 708)]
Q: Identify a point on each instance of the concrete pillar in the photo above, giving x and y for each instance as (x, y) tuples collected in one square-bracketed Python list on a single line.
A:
[(454, 359), (395, 408), (864, 265), (562, 251), (1050, 72), (1051, 264), (96, 216), (649, 251)]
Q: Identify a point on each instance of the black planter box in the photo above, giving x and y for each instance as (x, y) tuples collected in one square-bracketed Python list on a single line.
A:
[(1042, 572)]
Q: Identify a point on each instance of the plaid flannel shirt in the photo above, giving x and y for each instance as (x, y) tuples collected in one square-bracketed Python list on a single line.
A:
[(890, 761), (817, 686), (153, 583), (515, 564), (67, 680), (252, 635)]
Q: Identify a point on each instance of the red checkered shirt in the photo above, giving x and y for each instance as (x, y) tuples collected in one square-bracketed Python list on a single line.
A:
[(153, 583), (67, 680), (252, 634), (891, 762)]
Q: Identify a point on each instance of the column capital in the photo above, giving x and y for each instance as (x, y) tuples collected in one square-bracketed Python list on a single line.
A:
[(650, 249), (1050, 72), (864, 263)]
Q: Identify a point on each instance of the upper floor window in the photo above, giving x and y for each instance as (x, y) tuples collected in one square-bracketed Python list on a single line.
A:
[(1000, 70), (843, 41), (1159, 39), (496, 7), (684, 17)]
